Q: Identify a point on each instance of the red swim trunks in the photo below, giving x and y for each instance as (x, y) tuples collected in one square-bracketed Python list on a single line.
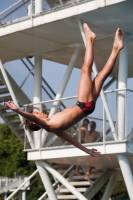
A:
[(87, 107)]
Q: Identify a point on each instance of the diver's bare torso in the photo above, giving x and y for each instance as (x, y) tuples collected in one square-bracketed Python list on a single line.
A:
[(63, 120)]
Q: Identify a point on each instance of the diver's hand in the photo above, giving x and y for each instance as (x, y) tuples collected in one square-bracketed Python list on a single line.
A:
[(94, 152), (11, 106)]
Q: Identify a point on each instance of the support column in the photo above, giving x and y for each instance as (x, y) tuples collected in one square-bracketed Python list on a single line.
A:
[(36, 99), (38, 6), (111, 185), (24, 195), (46, 181), (37, 82), (127, 173), (62, 89), (122, 83), (30, 8), (37, 94), (121, 98)]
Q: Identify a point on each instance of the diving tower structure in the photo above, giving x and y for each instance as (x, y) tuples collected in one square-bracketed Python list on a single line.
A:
[(55, 32)]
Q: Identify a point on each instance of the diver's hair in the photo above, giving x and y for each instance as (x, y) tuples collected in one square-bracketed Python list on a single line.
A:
[(29, 125)]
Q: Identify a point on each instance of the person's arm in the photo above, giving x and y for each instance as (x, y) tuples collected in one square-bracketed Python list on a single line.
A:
[(26, 115), (98, 135), (68, 138), (84, 134)]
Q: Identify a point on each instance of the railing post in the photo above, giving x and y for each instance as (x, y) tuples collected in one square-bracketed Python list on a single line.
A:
[(38, 6), (79, 132), (104, 124), (122, 84), (33, 174)]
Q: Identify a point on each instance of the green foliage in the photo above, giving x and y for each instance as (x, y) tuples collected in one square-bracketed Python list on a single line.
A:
[(120, 190), (13, 159)]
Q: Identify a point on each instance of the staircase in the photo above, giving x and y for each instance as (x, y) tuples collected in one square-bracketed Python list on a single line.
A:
[(79, 183), (83, 183), (11, 118)]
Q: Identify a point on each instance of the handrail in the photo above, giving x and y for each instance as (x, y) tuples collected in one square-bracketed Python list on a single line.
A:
[(35, 172), (31, 183), (72, 97), (10, 7), (14, 10), (64, 175)]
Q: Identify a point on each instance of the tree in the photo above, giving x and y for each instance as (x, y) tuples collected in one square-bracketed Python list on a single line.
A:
[(13, 159)]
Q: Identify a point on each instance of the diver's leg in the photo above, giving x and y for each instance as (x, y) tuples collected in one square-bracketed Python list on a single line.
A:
[(105, 72), (85, 85)]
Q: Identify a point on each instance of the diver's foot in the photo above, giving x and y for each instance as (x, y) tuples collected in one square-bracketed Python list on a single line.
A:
[(88, 33), (118, 41)]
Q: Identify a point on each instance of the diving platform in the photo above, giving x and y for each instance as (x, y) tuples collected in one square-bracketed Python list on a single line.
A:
[(55, 34), (70, 155)]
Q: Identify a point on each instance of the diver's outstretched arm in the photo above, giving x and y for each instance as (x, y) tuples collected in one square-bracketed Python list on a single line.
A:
[(42, 123), (68, 138)]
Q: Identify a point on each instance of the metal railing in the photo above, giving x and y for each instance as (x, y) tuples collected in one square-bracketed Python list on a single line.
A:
[(23, 184), (48, 6), (11, 9)]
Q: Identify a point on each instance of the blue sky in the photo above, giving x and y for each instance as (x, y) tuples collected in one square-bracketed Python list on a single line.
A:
[(52, 72)]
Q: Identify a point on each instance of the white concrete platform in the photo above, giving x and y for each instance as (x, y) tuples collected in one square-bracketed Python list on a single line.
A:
[(55, 34), (71, 155)]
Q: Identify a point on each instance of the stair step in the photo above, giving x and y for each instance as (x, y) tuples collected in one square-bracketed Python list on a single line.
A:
[(65, 190), (1, 83), (97, 170), (62, 171), (15, 121), (21, 135), (5, 98), (60, 166), (65, 197), (3, 108), (82, 177), (9, 114), (4, 90), (81, 183), (19, 128), (93, 171)]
